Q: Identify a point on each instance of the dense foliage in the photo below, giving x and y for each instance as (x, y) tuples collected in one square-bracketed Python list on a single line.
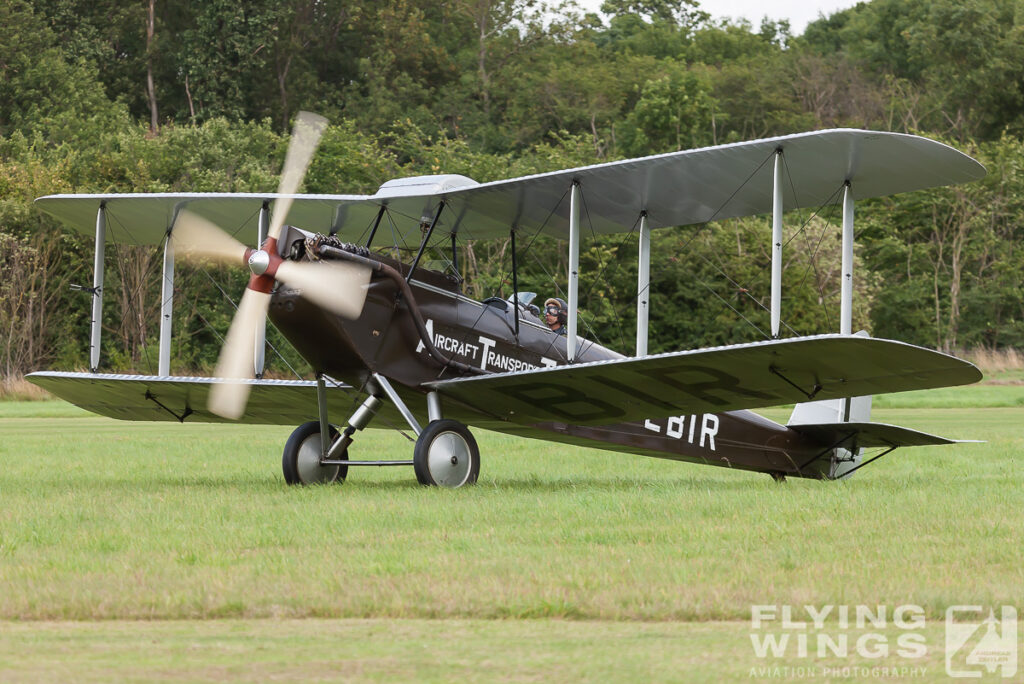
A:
[(108, 95)]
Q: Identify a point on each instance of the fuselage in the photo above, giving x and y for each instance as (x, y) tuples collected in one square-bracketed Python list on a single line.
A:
[(483, 337)]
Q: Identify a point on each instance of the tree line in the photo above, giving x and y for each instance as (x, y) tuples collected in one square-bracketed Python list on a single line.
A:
[(145, 96)]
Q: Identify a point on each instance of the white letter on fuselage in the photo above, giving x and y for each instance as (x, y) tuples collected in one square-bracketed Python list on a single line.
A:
[(487, 343), (430, 333), (709, 428)]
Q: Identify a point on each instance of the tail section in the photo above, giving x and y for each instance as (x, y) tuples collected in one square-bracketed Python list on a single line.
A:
[(844, 427), (844, 430), (833, 413)]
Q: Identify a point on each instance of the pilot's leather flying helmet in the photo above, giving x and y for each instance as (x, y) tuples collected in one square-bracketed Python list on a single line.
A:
[(556, 306)]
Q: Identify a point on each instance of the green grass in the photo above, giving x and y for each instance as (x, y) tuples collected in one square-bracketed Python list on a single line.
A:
[(105, 520), (416, 650), (46, 408), (977, 396)]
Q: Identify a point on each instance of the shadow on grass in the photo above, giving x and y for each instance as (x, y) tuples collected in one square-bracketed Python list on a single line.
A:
[(244, 484), (534, 484), (241, 484), (251, 483)]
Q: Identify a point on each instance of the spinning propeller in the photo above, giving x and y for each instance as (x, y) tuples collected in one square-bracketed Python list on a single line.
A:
[(336, 287)]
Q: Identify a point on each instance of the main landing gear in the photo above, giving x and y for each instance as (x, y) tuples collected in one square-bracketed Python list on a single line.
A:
[(445, 455), (301, 460)]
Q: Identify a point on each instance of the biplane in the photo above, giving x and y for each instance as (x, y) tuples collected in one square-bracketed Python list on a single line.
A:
[(397, 342)]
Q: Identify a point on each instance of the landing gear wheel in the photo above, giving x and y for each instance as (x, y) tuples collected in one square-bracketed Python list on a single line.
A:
[(301, 459), (446, 455)]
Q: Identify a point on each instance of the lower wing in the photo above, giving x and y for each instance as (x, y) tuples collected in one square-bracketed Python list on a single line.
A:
[(713, 380), (147, 397)]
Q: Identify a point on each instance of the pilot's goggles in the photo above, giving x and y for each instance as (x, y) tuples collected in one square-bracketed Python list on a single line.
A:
[(552, 310)]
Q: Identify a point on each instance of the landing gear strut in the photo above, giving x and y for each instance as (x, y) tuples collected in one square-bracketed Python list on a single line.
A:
[(445, 455), (316, 452)]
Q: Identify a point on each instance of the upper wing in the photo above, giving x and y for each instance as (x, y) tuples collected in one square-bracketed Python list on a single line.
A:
[(675, 189), (144, 218), (713, 183), (709, 380)]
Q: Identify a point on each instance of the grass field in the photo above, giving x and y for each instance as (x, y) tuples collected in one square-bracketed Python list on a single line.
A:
[(165, 551)]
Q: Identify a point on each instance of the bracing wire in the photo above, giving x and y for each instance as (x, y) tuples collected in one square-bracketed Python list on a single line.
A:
[(143, 281), (600, 275), (234, 305), (504, 274)]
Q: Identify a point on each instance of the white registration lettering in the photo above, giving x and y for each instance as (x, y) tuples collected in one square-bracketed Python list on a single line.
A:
[(675, 428), (709, 428)]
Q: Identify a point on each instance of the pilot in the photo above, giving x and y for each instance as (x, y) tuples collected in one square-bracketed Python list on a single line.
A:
[(555, 314)]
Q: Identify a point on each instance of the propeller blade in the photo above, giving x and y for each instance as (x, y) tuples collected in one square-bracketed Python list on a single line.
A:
[(339, 288), (228, 399), (343, 291), (305, 138), (196, 238)]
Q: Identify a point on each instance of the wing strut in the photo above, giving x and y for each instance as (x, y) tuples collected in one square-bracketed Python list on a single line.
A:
[(260, 338), (574, 268), (777, 244), (376, 224), (97, 288), (515, 280), (846, 292), (643, 285), (426, 239), (166, 305)]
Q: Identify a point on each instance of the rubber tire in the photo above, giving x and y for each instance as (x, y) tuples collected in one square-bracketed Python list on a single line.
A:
[(300, 436), (421, 453)]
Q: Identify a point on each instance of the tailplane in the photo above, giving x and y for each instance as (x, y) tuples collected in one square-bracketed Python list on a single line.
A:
[(836, 418), (844, 429)]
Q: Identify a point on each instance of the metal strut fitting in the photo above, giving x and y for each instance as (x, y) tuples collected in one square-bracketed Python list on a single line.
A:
[(359, 420), (433, 406)]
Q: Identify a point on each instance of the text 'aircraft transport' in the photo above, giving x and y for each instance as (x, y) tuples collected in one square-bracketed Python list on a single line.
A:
[(401, 344)]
